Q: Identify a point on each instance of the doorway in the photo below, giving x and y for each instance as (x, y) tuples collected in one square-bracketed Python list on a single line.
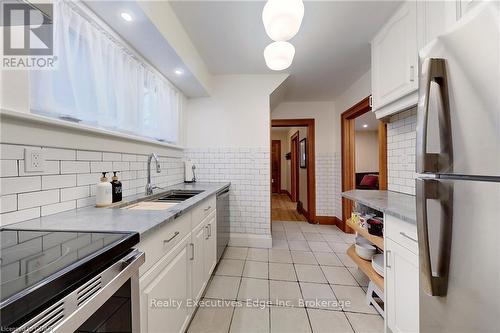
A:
[(276, 166), (351, 178), (296, 200)]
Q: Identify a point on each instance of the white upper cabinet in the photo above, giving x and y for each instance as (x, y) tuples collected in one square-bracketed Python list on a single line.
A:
[(435, 18), (395, 62)]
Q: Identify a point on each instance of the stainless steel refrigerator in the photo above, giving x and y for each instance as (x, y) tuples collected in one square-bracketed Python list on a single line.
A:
[(458, 183)]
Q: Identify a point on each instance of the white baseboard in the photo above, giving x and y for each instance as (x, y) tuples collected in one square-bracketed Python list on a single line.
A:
[(250, 240)]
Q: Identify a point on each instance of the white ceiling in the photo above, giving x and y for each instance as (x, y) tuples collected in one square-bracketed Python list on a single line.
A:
[(143, 36), (332, 46), (366, 119)]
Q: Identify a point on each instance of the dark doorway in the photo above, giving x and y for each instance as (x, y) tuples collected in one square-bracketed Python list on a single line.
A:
[(276, 166)]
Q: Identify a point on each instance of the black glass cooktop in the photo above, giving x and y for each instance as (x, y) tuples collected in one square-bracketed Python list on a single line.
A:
[(39, 266)]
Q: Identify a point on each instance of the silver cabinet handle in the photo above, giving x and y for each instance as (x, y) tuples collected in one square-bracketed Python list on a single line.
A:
[(406, 236), (434, 72), (387, 252), (208, 233), (165, 241), (209, 230), (208, 208), (192, 251), (370, 101), (434, 284), (412, 73)]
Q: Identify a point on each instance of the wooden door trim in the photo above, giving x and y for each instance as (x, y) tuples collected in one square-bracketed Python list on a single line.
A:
[(294, 167), (311, 159), (348, 155), (278, 142)]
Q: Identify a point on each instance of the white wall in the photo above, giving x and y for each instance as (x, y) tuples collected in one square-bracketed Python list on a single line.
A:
[(324, 116), (355, 93), (228, 138), (366, 148), (236, 114)]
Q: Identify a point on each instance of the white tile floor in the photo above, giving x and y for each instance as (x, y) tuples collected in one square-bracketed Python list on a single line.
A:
[(305, 283)]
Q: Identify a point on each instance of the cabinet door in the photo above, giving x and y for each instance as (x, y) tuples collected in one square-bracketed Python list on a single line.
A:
[(434, 18), (395, 57), (401, 285), (166, 282), (198, 275), (211, 246)]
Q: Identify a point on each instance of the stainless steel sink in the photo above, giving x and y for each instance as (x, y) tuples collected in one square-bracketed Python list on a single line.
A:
[(159, 201)]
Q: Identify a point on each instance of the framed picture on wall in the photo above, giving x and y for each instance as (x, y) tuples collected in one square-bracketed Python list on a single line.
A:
[(302, 153)]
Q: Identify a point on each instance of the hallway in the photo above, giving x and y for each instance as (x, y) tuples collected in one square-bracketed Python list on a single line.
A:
[(283, 209)]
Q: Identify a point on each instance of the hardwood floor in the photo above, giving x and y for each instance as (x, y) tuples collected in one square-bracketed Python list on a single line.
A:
[(283, 209)]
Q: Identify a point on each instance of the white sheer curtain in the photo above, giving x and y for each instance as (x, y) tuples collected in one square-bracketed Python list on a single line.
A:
[(98, 82)]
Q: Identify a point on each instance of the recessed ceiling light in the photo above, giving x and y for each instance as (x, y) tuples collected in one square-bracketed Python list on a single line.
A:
[(126, 16), (179, 71), (365, 125)]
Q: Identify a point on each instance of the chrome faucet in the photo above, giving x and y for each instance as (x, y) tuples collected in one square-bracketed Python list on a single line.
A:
[(149, 187)]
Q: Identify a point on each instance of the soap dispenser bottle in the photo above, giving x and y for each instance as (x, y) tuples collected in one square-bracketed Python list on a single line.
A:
[(116, 186), (103, 192)]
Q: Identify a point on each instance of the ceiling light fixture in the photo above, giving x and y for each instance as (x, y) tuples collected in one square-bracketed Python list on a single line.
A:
[(126, 16), (365, 125), (282, 18), (279, 55), (179, 71)]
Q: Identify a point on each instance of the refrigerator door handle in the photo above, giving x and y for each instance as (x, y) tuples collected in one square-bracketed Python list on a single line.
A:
[(434, 283), (434, 72)]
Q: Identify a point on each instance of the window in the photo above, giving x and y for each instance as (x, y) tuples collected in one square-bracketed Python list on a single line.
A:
[(99, 82)]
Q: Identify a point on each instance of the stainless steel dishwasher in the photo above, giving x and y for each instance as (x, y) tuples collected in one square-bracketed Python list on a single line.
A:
[(223, 210)]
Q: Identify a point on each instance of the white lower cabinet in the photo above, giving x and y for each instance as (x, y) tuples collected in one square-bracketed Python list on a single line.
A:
[(179, 275), (211, 245), (198, 275), (168, 281), (401, 288)]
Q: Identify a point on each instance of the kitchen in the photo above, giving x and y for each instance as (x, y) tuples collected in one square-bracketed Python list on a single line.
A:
[(135, 174)]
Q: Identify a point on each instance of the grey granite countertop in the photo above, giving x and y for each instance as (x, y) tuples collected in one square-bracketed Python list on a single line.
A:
[(116, 219), (400, 205)]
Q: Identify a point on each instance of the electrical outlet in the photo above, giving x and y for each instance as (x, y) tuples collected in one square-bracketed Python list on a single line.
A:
[(34, 160)]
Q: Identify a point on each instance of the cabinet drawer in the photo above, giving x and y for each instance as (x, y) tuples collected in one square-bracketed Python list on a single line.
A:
[(401, 232), (160, 242), (202, 210)]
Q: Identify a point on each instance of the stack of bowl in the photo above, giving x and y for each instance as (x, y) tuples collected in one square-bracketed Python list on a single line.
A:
[(364, 248)]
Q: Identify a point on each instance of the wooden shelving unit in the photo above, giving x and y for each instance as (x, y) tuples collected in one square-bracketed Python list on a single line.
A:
[(376, 240), (366, 267)]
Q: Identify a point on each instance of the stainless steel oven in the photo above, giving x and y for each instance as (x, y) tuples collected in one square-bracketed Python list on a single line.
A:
[(98, 292)]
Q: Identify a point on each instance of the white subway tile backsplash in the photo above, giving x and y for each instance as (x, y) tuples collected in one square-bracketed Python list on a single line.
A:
[(20, 184), (69, 179), (75, 167), (101, 166), (401, 145), (58, 207), (85, 155), (247, 169), (74, 193), (49, 168), (11, 152), (111, 157), (8, 203), (34, 199), (58, 181), (58, 154), (8, 168), (19, 215)]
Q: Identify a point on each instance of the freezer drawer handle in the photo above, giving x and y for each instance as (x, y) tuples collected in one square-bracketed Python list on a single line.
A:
[(434, 72), (434, 283)]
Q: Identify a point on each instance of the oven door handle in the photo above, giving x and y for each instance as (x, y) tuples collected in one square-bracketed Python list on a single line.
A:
[(69, 313)]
